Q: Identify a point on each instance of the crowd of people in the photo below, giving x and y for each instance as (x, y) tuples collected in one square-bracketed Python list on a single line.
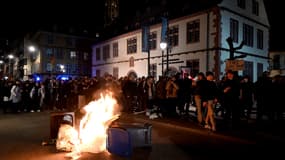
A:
[(169, 96)]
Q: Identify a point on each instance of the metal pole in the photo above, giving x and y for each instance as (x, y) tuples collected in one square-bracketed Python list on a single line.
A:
[(162, 53), (148, 62), (167, 64)]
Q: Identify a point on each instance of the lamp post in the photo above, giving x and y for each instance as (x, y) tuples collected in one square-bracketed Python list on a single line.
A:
[(10, 57), (1, 62), (162, 45), (32, 50), (1, 73)]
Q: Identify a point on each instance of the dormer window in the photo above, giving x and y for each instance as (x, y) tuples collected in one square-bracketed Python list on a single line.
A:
[(241, 4)]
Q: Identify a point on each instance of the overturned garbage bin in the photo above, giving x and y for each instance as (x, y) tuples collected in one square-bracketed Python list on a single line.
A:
[(56, 119), (123, 137)]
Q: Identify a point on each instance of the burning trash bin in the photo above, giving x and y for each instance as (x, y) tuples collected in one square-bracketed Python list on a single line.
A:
[(56, 118), (67, 139)]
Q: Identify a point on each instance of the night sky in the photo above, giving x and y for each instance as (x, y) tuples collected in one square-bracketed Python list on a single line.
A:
[(86, 17)]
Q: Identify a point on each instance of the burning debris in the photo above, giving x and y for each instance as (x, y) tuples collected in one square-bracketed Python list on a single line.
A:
[(92, 133)]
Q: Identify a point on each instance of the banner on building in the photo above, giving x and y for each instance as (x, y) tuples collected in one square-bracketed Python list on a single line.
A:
[(164, 27), (145, 38)]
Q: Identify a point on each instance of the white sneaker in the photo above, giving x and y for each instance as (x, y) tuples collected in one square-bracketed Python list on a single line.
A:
[(207, 126), (153, 116), (147, 113)]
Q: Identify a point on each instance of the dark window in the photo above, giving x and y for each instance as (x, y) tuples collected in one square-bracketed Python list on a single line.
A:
[(116, 72), (259, 39), (132, 45), (68, 69), (49, 52), (50, 39), (234, 30), (70, 41), (259, 69), (255, 7), (241, 4), (152, 40), (115, 49), (59, 52), (74, 68), (193, 31), (194, 67), (248, 68), (173, 36), (98, 54), (106, 52), (248, 35)]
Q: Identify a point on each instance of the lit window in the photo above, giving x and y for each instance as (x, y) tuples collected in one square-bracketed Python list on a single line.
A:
[(72, 54)]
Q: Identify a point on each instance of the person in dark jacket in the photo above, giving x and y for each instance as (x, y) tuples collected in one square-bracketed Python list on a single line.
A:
[(246, 97), (209, 97), (6, 93), (231, 90)]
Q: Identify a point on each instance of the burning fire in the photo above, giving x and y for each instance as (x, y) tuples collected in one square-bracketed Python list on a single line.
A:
[(92, 130)]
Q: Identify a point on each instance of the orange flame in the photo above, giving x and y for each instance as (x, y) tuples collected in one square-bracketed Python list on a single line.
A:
[(93, 126)]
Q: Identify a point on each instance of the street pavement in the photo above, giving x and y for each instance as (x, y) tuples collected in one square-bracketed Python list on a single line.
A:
[(22, 134), (248, 131)]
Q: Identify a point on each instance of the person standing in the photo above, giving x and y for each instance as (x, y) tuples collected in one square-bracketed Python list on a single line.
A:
[(35, 97), (246, 97), (16, 96), (209, 97), (231, 90), (6, 93), (198, 87), (171, 96)]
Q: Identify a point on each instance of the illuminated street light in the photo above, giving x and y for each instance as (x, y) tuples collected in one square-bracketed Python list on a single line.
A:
[(31, 48), (10, 56), (33, 56), (163, 45), (61, 67), (1, 62)]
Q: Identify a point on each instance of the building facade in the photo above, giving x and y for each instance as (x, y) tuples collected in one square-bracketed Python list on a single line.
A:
[(196, 43), (277, 62), (53, 54)]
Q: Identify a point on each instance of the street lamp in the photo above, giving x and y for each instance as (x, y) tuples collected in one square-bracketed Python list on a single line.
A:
[(162, 45), (62, 69), (10, 57), (1, 62), (32, 50)]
